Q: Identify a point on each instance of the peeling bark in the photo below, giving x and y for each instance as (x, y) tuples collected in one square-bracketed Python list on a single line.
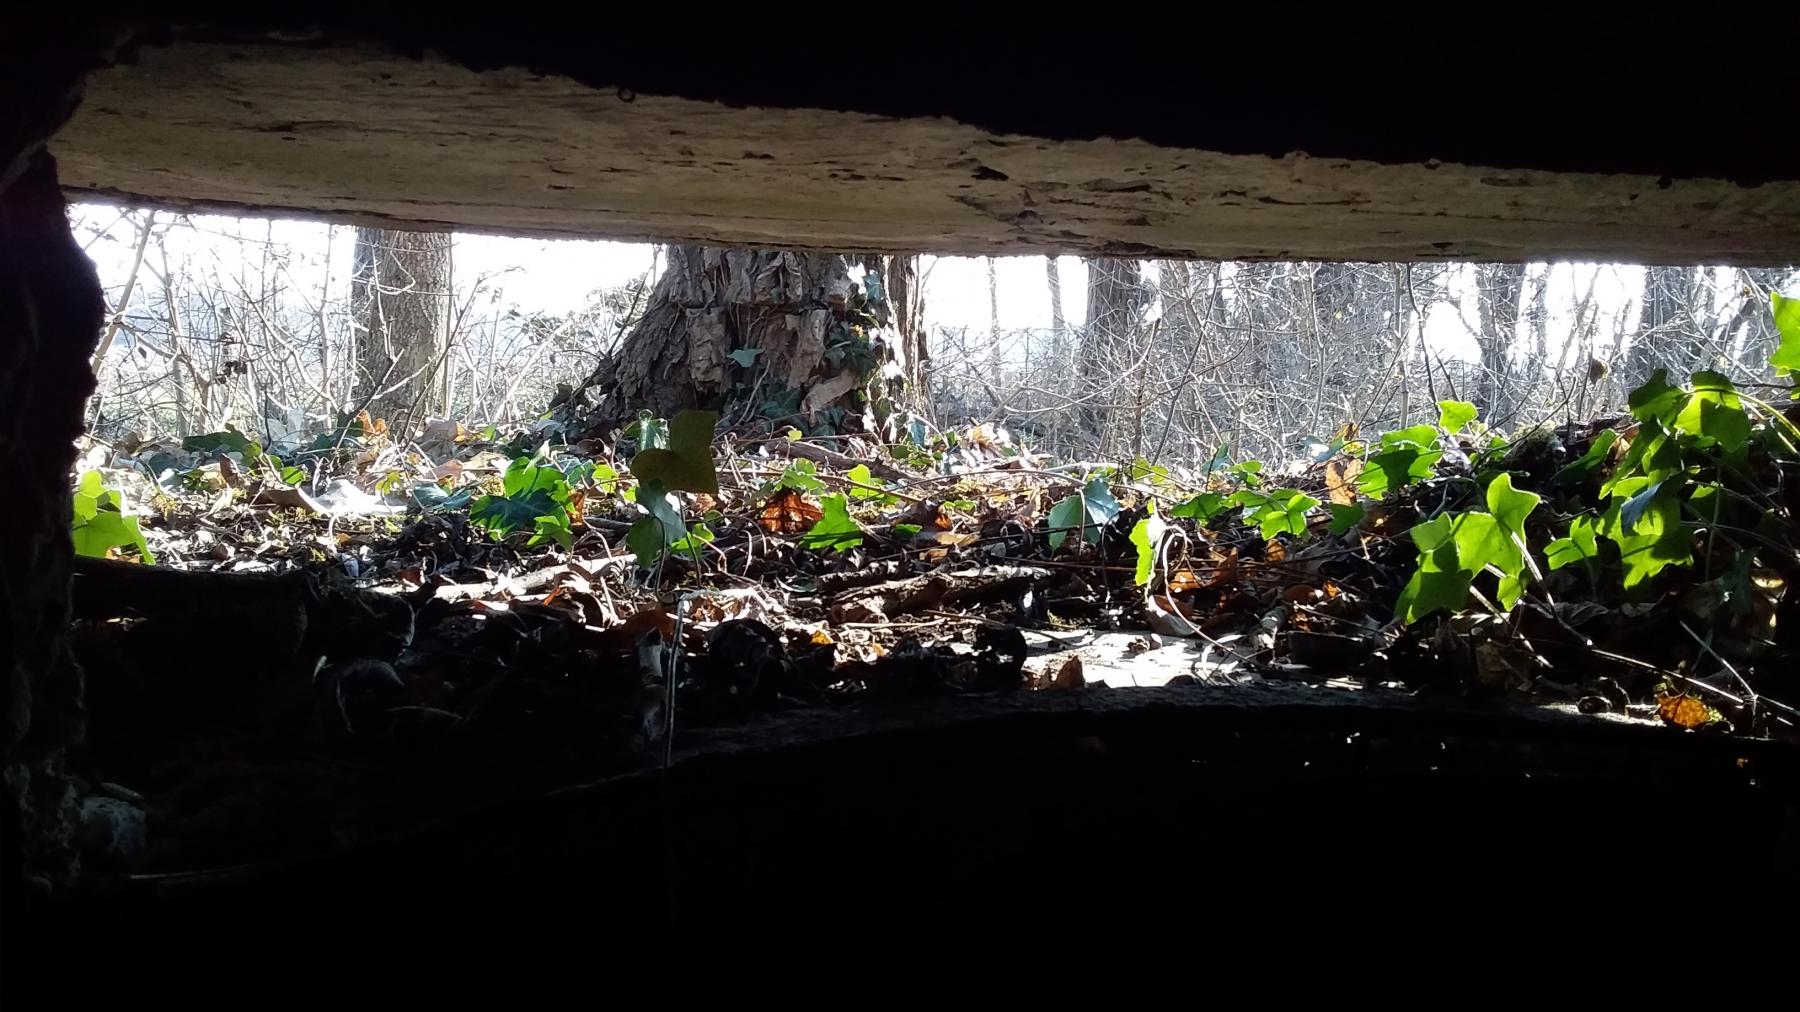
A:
[(776, 309)]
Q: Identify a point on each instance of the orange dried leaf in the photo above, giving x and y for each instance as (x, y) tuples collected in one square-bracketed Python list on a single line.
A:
[(788, 512), (1183, 580), (1685, 711), (1340, 480), (1274, 551), (821, 638)]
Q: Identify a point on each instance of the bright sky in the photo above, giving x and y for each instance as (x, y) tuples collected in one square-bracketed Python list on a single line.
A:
[(556, 276)]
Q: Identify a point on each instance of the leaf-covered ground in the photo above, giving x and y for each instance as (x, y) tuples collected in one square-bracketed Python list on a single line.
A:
[(373, 630)]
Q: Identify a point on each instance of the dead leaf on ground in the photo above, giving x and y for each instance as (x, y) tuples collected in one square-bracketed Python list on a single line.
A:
[(788, 512), (1340, 480), (1685, 711), (1227, 571), (1069, 675), (1183, 580), (1169, 617)]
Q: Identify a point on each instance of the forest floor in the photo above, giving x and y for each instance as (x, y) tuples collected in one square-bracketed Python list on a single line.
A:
[(353, 637)]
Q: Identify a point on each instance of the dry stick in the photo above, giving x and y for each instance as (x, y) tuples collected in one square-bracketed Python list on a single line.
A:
[(118, 315), (1749, 693), (1692, 681)]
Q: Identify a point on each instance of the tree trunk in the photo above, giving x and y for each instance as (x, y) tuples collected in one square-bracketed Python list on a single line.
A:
[(1666, 337), (1116, 297), (779, 333), (400, 297), (1059, 327), (1498, 288)]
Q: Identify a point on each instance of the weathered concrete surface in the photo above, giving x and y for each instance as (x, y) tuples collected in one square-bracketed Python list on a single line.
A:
[(357, 132)]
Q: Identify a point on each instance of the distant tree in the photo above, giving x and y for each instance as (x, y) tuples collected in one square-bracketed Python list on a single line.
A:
[(401, 302)]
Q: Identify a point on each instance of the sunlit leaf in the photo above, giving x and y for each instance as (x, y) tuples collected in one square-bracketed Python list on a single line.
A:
[(1453, 415), (1422, 437), (1585, 465), (835, 530), (1343, 517), (1786, 358), (861, 475), (1580, 545), (1440, 582), (1396, 468), (1656, 399), (1146, 536), (1202, 507), (1657, 539), (1509, 505), (1713, 411)]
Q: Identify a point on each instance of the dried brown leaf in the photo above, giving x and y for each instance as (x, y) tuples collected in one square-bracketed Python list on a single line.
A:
[(1340, 480)]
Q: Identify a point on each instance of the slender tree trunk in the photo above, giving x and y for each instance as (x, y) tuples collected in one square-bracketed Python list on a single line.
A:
[(400, 297), (1498, 288), (1116, 297), (1059, 327)]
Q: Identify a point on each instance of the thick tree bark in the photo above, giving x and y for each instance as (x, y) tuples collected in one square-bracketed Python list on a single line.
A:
[(770, 332), (400, 298)]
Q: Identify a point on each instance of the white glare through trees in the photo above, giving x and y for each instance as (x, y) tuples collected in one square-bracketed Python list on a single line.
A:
[(249, 322)]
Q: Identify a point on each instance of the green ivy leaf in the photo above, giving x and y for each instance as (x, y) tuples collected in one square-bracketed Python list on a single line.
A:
[(1249, 472), (605, 478), (525, 477), (1202, 507), (687, 463), (1510, 506), (1453, 415), (907, 530), (1396, 468), (87, 496), (1440, 581), (1713, 411), (1654, 456), (1065, 516), (553, 527), (501, 515), (1579, 546), (1656, 399), (1422, 437), (1786, 358), (659, 527), (861, 475), (834, 529), (1147, 535), (698, 537), (1579, 469), (801, 476), (1652, 539), (1141, 469), (745, 357), (1345, 517), (1286, 513)]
